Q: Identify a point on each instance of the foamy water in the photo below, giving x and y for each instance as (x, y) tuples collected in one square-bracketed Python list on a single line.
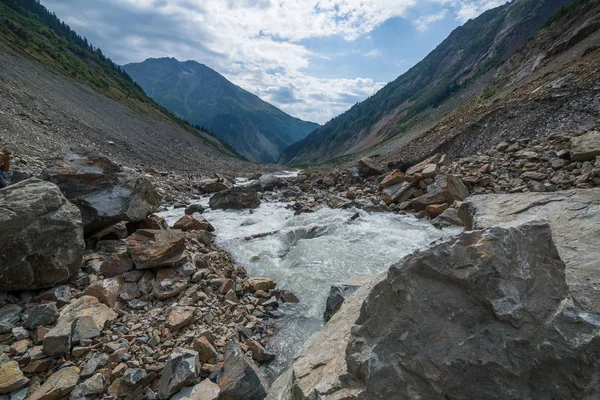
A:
[(309, 253)]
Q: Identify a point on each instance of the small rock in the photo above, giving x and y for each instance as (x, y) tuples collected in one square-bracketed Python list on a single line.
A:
[(58, 385), (10, 315), (205, 390), (84, 327), (205, 349), (11, 378), (181, 370), (57, 341), (93, 385), (43, 314), (133, 376), (180, 317), (20, 333), (289, 297)]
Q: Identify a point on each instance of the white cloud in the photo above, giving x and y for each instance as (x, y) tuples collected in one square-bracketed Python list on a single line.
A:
[(423, 22), (372, 53), (243, 39), (264, 35)]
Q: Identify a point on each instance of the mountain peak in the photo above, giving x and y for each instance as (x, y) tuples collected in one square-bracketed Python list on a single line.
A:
[(191, 90)]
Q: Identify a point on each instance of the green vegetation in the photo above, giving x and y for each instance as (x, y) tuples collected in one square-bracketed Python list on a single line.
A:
[(564, 12), (29, 27)]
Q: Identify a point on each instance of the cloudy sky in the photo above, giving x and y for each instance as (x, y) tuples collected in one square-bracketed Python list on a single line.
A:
[(311, 58)]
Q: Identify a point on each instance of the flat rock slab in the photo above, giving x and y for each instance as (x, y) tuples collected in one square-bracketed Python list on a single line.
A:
[(322, 361), (574, 217), (585, 147)]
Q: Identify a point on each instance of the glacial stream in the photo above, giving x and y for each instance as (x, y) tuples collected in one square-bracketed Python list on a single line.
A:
[(309, 253)]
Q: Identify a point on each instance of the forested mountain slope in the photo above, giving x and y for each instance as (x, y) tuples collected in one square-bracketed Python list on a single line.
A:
[(198, 94)]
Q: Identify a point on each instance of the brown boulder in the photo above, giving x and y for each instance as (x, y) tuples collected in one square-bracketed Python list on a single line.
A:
[(215, 185), (11, 378), (264, 284), (205, 349), (106, 290), (190, 223), (393, 178), (437, 159), (151, 248), (59, 385), (446, 189)]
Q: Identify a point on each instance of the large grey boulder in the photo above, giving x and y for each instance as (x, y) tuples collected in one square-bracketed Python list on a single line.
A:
[(241, 379), (485, 315), (574, 217), (368, 167), (234, 199), (269, 182), (41, 236), (181, 370), (105, 192)]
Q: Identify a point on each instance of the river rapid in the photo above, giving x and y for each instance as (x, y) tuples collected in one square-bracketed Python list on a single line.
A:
[(309, 253)]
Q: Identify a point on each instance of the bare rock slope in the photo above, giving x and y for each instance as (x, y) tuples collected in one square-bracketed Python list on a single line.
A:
[(43, 113)]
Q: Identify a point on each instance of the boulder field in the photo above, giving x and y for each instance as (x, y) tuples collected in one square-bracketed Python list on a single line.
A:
[(100, 298)]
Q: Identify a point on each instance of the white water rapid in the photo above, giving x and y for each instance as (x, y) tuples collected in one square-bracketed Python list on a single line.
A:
[(309, 253)]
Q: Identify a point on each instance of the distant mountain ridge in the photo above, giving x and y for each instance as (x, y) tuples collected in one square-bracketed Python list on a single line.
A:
[(470, 52), (254, 128)]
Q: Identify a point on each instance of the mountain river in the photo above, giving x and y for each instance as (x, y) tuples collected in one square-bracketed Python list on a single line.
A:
[(309, 253)]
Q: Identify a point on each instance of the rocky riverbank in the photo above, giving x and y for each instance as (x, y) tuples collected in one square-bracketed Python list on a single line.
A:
[(99, 298)]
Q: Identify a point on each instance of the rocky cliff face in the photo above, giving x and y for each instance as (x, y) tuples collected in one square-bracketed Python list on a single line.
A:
[(484, 84), (485, 315), (255, 128)]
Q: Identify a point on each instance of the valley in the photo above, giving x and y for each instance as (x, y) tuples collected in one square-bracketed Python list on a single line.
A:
[(166, 234)]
